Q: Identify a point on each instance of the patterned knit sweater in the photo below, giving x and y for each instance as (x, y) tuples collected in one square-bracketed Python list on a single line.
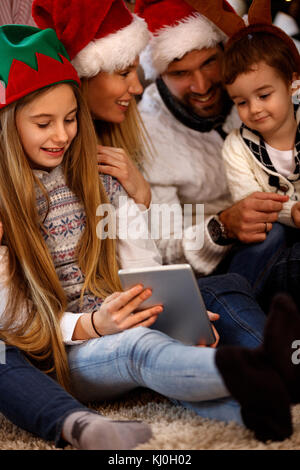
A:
[(64, 224), (249, 169)]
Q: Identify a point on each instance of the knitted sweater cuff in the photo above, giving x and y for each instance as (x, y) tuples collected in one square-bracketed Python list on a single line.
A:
[(285, 215), (202, 253)]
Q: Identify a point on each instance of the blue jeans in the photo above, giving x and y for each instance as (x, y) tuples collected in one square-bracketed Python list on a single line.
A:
[(31, 399), (104, 368), (241, 320), (255, 261), (284, 276)]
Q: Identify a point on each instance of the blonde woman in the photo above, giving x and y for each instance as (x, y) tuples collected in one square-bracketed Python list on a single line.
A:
[(104, 44)]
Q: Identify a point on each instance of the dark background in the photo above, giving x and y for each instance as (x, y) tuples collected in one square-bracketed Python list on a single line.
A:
[(292, 7)]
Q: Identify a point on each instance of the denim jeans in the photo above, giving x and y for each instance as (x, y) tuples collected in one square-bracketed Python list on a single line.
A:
[(255, 261), (32, 400), (241, 320), (284, 276), (106, 367)]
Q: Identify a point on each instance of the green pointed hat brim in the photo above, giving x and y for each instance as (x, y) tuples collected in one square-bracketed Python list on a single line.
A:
[(31, 59)]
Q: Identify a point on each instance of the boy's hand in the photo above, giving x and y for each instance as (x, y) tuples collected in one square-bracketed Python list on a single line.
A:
[(250, 219)]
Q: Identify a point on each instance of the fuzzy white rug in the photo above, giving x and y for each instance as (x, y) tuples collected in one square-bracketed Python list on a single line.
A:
[(173, 427)]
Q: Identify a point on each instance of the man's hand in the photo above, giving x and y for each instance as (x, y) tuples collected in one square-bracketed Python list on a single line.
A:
[(250, 219)]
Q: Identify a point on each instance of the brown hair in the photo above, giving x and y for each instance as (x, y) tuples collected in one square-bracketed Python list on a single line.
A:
[(241, 55)]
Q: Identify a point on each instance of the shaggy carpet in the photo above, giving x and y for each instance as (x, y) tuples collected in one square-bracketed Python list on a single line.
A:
[(174, 428)]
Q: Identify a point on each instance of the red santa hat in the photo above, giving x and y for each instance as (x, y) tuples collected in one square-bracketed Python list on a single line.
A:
[(99, 35), (176, 28)]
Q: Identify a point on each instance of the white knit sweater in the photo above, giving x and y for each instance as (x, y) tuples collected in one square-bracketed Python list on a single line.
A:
[(187, 168), (247, 175)]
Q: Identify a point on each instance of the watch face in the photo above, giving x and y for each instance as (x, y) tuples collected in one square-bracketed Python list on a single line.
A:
[(214, 230)]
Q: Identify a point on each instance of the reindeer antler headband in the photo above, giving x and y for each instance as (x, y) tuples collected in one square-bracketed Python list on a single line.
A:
[(228, 21), (259, 19)]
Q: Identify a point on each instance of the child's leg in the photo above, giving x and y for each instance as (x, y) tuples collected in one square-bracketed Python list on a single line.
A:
[(241, 319), (107, 367), (36, 403), (284, 277), (255, 261)]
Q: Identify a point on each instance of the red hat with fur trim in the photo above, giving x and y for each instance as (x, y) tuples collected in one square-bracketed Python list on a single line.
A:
[(99, 35), (176, 28)]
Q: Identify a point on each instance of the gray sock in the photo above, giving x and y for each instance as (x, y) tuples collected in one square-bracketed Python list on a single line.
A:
[(90, 431)]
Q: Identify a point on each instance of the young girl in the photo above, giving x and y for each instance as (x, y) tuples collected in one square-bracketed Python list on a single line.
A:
[(28, 397), (260, 73)]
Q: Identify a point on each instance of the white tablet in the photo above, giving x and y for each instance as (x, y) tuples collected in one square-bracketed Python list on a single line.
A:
[(175, 287)]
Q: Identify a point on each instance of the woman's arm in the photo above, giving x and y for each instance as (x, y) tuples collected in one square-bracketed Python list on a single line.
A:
[(115, 162)]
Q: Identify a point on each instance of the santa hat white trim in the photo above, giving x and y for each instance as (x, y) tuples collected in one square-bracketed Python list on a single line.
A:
[(173, 42), (113, 52)]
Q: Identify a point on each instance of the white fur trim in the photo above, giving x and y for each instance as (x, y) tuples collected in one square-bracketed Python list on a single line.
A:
[(173, 42), (115, 51)]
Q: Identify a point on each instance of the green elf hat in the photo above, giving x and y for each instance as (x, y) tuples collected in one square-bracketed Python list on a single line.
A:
[(31, 59)]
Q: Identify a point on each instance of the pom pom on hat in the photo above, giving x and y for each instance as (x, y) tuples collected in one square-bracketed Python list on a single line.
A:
[(176, 28), (99, 35), (31, 59)]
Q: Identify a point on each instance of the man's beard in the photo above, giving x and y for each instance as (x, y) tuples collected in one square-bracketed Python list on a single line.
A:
[(214, 109), (186, 115)]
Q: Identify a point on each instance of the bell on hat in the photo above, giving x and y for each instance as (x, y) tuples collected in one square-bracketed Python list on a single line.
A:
[(176, 28), (99, 35), (31, 59)]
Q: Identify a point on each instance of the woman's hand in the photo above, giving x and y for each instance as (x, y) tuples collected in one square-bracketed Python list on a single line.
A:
[(116, 312), (212, 317), (115, 162)]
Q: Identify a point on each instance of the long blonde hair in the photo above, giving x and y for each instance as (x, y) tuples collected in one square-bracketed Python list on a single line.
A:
[(130, 135), (33, 284)]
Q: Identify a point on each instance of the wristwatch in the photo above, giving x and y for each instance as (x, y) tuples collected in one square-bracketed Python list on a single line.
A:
[(218, 232)]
